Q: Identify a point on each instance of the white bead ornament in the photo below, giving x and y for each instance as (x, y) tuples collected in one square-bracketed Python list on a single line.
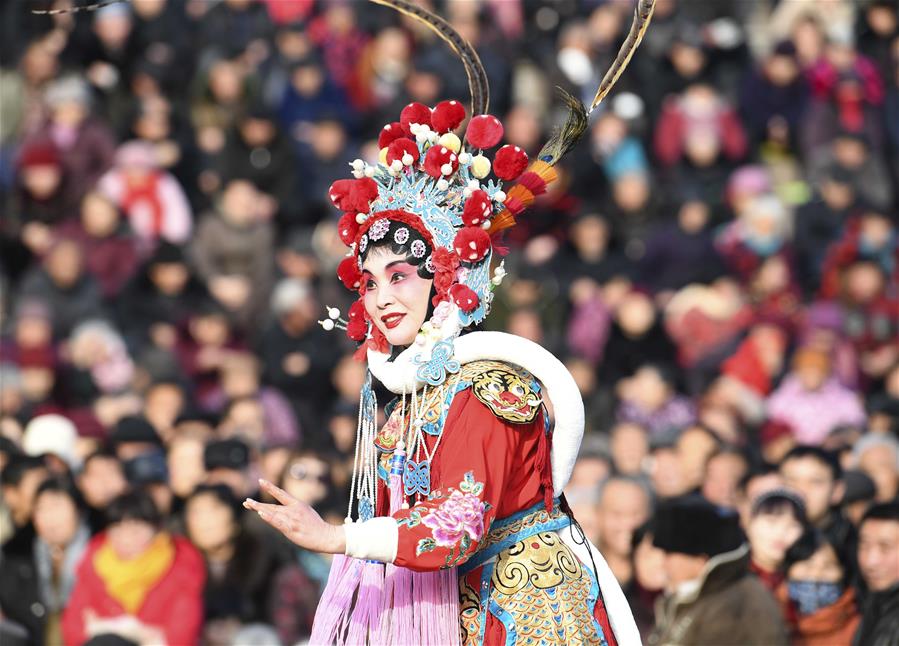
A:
[(333, 313), (442, 185), (407, 159), (357, 164), (499, 196), (327, 324), (464, 158), (361, 218)]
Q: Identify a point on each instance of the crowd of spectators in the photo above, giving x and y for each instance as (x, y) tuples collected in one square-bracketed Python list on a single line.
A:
[(718, 266)]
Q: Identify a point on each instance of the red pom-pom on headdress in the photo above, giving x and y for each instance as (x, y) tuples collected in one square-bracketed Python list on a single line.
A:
[(349, 274), (400, 147), (510, 162), (471, 244), (415, 113), (477, 209), (447, 115), (347, 228), (355, 195), (357, 326), (464, 297), (484, 131), (436, 160), (390, 133)]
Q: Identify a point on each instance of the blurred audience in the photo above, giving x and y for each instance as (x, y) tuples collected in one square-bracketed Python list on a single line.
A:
[(718, 267)]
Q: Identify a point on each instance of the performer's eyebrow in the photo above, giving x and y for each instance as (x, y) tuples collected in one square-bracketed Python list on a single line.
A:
[(388, 266)]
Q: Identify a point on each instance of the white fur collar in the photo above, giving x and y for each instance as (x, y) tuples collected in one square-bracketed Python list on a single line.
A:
[(559, 386)]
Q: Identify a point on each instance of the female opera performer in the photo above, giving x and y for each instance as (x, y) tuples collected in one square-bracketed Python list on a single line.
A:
[(461, 534)]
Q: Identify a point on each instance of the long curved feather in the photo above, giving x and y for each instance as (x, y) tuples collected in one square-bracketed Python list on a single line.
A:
[(477, 77), (642, 16), (76, 8), (576, 123)]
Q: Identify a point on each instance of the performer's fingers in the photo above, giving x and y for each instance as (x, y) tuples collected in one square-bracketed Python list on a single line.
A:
[(260, 507), (277, 492)]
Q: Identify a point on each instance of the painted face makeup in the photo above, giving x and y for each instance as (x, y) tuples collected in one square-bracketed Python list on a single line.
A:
[(396, 297)]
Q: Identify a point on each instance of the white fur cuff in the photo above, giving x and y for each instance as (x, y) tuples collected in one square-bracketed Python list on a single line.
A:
[(374, 539)]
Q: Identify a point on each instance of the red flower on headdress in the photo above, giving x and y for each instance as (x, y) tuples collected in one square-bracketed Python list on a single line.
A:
[(415, 113), (349, 274), (400, 147), (347, 228), (445, 264), (484, 131), (357, 326), (464, 297), (510, 162), (447, 115), (445, 260), (477, 208), (390, 133), (436, 160), (354, 195), (472, 244), (443, 280)]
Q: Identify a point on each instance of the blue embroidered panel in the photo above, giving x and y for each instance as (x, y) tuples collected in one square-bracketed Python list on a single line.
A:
[(417, 477), (434, 370)]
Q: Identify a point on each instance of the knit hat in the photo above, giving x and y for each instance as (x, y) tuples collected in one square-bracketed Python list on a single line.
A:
[(692, 525), (859, 487), (53, 434), (167, 254), (137, 154), (134, 429), (69, 89), (39, 153)]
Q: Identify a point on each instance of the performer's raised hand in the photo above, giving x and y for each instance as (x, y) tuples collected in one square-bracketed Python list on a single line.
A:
[(298, 521)]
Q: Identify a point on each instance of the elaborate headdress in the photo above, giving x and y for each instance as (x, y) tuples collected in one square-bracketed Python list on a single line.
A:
[(437, 192)]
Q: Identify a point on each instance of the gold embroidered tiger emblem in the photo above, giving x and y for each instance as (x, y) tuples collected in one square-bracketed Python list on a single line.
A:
[(507, 394)]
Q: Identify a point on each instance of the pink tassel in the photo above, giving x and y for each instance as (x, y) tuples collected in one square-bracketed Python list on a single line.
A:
[(365, 619), (399, 616), (336, 601), (436, 597), (368, 603)]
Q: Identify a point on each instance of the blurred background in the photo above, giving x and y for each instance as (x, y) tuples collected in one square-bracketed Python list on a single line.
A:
[(718, 266)]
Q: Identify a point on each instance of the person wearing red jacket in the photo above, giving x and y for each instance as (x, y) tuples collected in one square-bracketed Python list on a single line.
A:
[(137, 581)]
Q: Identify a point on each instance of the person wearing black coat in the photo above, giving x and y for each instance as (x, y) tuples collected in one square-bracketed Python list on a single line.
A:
[(878, 558), (256, 150), (162, 294), (682, 252)]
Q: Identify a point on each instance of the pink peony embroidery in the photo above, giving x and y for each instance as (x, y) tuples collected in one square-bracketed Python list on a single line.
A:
[(460, 514)]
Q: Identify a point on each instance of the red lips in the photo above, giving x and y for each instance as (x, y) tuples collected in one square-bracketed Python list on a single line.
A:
[(392, 320)]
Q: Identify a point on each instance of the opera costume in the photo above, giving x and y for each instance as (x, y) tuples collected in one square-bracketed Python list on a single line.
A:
[(461, 534)]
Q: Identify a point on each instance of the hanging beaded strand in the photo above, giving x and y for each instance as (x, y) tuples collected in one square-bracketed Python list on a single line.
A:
[(363, 484)]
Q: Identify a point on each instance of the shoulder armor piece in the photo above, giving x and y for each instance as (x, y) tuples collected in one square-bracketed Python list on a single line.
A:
[(510, 392)]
